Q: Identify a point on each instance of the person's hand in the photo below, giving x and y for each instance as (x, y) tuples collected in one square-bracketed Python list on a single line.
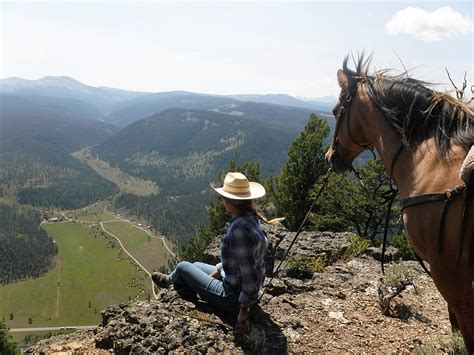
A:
[(243, 317), (215, 274)]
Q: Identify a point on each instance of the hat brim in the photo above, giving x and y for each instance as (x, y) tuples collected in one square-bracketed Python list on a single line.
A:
[(256, 191)]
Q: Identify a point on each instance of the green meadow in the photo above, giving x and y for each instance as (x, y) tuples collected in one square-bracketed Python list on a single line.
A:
[(149, 251), (93, 213), (90, 273)]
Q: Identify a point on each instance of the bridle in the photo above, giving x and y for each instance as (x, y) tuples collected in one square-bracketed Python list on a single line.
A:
[(390, 195), (346, 107)]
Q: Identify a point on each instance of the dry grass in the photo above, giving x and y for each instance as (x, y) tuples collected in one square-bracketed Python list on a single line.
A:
[(126, 183)]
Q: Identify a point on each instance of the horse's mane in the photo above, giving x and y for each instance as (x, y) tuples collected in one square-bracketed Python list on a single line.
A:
[(416, 112)]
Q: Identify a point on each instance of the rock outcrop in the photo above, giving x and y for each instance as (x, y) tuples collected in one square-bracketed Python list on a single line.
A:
[(332, 311)]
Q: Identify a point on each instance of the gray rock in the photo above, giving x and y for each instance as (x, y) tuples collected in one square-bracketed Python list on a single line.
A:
[(391, 253)]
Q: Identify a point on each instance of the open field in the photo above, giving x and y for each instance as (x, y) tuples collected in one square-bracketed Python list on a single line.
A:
[(126, 183), (149, 251), (6, 200), (93, 213), (28, 339), (89, 275)]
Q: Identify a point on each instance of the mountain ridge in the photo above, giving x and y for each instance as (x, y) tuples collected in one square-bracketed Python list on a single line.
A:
[(107, 98)]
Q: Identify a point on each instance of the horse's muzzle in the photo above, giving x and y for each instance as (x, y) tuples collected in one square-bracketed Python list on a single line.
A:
[(337, 164)]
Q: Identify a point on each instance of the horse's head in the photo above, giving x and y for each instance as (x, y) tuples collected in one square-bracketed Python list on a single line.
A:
[(349, 139)]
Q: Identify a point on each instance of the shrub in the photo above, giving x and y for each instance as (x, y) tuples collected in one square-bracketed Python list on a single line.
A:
[(425, 349), (398, 274), (304, 266), (402, 243), (356, 246), (396, 279), (455, 345)]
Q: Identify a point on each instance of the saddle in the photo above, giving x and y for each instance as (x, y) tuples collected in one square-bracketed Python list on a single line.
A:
[(467, 166)]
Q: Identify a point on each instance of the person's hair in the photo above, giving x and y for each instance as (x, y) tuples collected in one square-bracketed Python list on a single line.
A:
[(249, 206)]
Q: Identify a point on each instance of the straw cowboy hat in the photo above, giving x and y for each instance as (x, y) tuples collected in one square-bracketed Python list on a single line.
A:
[(238, 187)]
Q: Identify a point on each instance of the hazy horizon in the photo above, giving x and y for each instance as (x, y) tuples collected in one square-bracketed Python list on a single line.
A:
[(230, 48)]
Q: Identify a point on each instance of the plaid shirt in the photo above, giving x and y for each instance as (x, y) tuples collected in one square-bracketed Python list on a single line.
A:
[(242, 254)]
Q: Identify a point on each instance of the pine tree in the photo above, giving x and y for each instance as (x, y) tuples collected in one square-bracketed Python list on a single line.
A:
[(347, 205), (7, 345), (302, 170)]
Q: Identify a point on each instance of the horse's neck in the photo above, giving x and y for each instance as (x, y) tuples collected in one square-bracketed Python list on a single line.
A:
[(421, 171)]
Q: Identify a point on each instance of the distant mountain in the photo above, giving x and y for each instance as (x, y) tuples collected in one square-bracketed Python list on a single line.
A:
[(150, 104), (123, 107), (102, 98), (36, 136), (325, 104), (331, 99), (68, 123)]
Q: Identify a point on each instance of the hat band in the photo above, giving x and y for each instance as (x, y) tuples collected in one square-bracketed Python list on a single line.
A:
[(240, 190)]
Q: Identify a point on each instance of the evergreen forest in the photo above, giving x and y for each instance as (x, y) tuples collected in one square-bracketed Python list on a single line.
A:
[(25, 248)]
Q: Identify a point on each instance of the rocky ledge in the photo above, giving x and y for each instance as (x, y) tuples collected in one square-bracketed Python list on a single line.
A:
[(335, 310)]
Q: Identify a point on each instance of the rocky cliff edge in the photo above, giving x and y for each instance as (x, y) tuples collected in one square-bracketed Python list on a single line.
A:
[(334, 310)]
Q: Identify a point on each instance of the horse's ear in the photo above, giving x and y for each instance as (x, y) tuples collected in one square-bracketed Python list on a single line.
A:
[(342, 79)]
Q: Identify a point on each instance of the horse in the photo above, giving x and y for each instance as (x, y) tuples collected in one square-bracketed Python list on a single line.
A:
[(422, 137)]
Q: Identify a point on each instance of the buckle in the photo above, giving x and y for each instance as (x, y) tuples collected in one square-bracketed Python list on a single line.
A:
[(454, 191)]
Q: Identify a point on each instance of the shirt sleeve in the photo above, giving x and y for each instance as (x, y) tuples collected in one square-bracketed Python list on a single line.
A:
[(244, 249)]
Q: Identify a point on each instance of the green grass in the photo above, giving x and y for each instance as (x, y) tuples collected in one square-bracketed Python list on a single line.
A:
[(92, 275), (30, 338), (95, 217), (149, 251), (93, 213)]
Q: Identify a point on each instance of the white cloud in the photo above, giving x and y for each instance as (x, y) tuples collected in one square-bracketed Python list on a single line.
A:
[(429, 26)]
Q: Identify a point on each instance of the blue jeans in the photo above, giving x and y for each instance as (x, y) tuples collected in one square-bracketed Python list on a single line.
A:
[(194, 278)]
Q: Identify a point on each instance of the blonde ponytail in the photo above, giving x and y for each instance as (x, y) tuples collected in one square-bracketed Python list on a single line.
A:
[(265, 220), (248, 205)]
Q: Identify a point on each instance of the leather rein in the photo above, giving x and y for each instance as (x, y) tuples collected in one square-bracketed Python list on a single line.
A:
[(447, 196)]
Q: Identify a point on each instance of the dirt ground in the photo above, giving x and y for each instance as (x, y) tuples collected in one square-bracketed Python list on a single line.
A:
[(347, 318)]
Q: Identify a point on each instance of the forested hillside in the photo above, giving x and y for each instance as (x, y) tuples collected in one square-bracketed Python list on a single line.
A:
[(147, 105), (182, 151), (25, 249), (39, 134), (69, 124)]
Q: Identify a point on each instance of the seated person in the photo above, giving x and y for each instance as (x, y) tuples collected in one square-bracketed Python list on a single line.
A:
[(232, 286)]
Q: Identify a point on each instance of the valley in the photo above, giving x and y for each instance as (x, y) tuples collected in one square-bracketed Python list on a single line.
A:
[(91, 271), (111, 172)]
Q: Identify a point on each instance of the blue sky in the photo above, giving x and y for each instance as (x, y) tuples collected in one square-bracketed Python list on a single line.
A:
[(233, 47)]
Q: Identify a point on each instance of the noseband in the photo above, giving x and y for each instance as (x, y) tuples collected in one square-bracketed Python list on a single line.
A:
[(346, 107)]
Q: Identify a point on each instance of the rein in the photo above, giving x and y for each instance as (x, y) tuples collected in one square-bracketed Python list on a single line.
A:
[(300, 228)]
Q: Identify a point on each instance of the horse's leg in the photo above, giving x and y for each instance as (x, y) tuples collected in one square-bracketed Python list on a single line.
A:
[(453, 320), (465, 317), (456, 288)]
